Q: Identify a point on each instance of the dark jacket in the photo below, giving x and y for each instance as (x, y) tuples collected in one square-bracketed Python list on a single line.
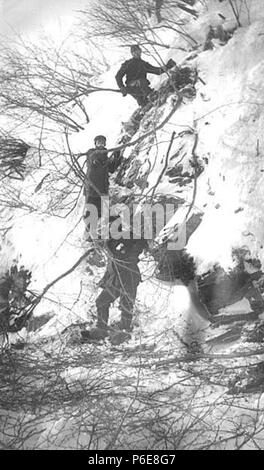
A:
[(98, 168), (135, 69), (126, 250), (122, 267)]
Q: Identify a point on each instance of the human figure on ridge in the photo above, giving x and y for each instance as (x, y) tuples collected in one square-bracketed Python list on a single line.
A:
[(121, 280), (99, 166), (135, 70)]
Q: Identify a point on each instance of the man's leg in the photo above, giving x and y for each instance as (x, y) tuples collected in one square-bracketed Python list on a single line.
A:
[(140, 92), (126, 306), (103, 302), (127, 298), (92, 214)]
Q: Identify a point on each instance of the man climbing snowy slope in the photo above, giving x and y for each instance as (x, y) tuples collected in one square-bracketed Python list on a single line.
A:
[(135, 70), (99, 166)]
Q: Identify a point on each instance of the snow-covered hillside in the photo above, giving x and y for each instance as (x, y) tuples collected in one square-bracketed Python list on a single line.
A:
[(200, 144)]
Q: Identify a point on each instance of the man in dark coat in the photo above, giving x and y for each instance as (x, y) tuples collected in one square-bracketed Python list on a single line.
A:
[(135, 70), (97, 175), (120, 280)]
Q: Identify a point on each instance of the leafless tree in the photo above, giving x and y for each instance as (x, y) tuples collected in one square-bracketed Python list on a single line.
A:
[(239, 7), (58, 395), (45, 83), (12, 156), (138, 21)]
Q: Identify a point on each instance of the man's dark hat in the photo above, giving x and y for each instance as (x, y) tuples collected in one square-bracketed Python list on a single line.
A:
[(100, 137), (135, 47)]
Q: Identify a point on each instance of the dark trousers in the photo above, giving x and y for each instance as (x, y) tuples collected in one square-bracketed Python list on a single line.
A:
[(123, 285), (91, 225), (140, 90), (96, 202)]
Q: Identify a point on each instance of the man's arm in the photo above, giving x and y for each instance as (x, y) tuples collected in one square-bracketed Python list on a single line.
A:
[(87, 177), (159, 70), (119, 76), (152, 69), (89, 153), (97, 157), (111, 245)]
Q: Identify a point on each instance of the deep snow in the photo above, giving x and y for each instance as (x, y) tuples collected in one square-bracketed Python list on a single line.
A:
[(227, 116)]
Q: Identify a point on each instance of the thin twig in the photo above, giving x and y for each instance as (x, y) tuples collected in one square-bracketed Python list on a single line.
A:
[(165, 164)]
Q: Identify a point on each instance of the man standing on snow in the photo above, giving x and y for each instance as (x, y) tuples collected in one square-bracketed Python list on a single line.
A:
[(99, 166), (120, 280), (135, 70)]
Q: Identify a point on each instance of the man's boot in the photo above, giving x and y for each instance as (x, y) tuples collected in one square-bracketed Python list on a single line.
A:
[(93, 335), (119, 337), (123, 324)]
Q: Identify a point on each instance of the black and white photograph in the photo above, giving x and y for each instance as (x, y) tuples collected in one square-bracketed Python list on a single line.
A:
[(131, 228)]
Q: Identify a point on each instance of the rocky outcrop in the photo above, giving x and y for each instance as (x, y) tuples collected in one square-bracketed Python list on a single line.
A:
[(180, 83), (35, 323), (177, 264), (218, 288)]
